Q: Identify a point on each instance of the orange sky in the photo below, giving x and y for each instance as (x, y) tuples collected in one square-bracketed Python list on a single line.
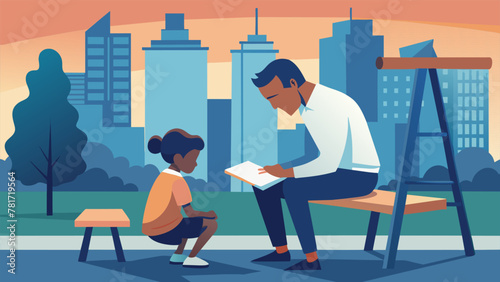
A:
[(26, 19)]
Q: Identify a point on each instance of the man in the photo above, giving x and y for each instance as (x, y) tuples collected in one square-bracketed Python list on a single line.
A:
[(340, 159)]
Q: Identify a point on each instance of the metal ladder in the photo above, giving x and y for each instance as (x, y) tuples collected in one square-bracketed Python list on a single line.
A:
[(422, 65)]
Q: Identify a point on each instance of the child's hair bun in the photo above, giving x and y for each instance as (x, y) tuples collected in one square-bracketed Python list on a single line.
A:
[(154, 144)]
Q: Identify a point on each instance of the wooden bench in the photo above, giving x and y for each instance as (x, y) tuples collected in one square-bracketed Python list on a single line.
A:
[(112, 218), (381, 201)]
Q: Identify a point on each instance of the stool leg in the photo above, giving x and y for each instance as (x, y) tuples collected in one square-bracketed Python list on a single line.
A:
[(85, 244), (118, 245), (372, 231)]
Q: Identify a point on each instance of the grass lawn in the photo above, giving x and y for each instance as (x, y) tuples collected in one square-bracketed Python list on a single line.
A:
[(239, 214)]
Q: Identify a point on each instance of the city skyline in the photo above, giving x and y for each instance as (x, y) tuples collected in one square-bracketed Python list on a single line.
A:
[(276, 153)]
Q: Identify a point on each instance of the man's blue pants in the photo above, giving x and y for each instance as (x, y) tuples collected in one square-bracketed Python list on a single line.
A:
[(298, 191)]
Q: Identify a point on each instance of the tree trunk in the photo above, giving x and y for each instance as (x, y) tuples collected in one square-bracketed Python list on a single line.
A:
[(50, 183), (49, 191)]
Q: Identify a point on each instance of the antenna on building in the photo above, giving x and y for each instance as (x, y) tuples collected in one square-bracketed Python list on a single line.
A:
[(256, 21), (350, 13)]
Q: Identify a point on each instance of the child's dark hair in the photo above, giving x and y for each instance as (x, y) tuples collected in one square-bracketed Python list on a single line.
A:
[(176, 141)]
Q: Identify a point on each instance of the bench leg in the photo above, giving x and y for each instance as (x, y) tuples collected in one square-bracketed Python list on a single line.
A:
[(118, 245), (372, 231), (85, 244)]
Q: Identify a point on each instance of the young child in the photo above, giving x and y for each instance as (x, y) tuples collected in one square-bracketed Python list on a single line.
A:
[(163, 221)]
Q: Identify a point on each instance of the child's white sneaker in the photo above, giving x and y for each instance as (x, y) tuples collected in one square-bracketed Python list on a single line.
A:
[(177, 258), (195, 262)]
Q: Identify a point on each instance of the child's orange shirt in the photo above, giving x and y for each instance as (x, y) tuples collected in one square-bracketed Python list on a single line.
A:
[(166, 198)]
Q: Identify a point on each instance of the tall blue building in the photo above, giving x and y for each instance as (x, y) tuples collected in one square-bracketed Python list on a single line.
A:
[(107, 69), (77, 93), (219, 140), (254, 121), (465, 93), (347, 62), (394, 97), (178, 99)]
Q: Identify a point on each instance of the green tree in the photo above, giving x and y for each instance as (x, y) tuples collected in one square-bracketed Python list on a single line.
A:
[(46, 145)]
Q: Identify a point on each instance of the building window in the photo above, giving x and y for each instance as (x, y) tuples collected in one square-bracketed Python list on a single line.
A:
[(121, 63), (467, 132), (473, 115), (481, 142), (95, 40), (120, 118), (445, 71), (95, 85), (120, 40), (384, 78), (460, 88), (481, 75), (95, 51), (95, 73), (466, 115), (473, 142), (466, 74), (407, 78), (385, 90), (121, 51), (407, 103), (474, 88), (120, 85), (384, 115), (396, 78), (481, 129), (406, 115), (460, 101), (445, 85), (466, 101), (474, 74), (95, 63), (460, 142), (473, 101), (396, 115), (396, 90), (120, 108), (460, 114), (445, 99), (466, 142), (423, 103), (95, 96), (121, 97), (466, 88), (460, 75), (474, 129), (481, 88), (481, 115), (396, 103), (408, 90), (481, 101), (460, 129), (384, 103), (121, 73)]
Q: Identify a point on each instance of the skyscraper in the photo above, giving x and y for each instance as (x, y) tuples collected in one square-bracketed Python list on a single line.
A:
[(107, 72), (347, 62), (77, 93), (466, 94), (178, 98), (253, 121), (219, 138)]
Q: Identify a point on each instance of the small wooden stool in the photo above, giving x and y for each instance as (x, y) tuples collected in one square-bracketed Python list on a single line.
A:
[(112, 218)]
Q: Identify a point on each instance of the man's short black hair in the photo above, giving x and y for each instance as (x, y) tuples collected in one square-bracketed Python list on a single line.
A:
[(284, 69)]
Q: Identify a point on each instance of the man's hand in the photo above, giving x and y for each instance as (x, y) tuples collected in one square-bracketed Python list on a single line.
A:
[(277, 170)]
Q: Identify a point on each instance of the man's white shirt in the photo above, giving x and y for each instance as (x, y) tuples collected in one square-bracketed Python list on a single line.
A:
[(340, 131)]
